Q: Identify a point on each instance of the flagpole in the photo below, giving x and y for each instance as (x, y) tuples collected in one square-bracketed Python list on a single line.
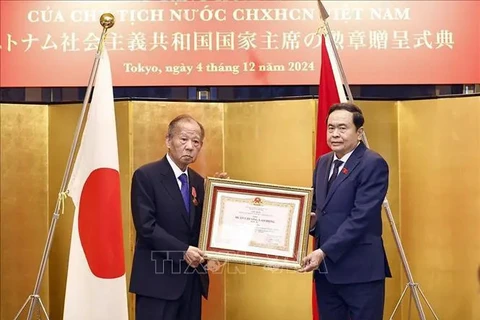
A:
[(107, 20), (414, 287)]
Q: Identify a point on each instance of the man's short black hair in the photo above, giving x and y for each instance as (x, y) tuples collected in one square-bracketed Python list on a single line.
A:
[(358, 119)]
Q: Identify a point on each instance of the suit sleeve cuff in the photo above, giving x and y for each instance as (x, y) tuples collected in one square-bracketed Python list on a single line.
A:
[(326, 253)]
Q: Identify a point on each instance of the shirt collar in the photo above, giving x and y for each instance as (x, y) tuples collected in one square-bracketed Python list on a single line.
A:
[(176, 170), (344, 159)]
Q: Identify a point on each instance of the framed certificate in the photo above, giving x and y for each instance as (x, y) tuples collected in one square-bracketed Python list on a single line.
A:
[(255, 223)]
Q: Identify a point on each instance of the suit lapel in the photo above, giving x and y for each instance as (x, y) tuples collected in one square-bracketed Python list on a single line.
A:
[(192, 206), (347, 170), (324, 181), (171, 185)]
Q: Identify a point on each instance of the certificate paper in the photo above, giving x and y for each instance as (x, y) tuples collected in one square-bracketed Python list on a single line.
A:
[(255, 223)]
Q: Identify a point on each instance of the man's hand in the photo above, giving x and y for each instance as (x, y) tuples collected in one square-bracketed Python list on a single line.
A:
[(221, 175), (214, 265), (313, 220), (194, 256), (312, 261)]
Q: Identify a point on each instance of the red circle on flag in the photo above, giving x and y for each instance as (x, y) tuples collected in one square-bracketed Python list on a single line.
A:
[(100, 223)]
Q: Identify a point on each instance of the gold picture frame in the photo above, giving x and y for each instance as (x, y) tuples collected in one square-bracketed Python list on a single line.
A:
[(255, 223)]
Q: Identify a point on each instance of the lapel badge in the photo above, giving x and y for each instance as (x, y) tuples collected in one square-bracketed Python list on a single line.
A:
[(344, 170)]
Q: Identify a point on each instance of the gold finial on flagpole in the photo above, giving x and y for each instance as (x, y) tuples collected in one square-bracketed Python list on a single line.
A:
[(107, 20), (322, 29)]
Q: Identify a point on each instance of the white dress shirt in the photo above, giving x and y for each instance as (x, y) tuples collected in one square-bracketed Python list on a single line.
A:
[(177, 171)]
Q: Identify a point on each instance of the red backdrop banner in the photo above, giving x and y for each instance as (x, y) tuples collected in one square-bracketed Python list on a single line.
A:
[(188, 43)]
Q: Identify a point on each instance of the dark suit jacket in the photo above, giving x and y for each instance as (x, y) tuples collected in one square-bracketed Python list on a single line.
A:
[(349, 222), (164, 231)]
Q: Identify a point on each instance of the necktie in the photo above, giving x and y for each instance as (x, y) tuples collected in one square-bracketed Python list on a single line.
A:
[(337, 164), (184, 190)]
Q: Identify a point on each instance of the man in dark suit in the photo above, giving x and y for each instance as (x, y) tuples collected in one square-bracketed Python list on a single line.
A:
[(350, 184), (168, 274)]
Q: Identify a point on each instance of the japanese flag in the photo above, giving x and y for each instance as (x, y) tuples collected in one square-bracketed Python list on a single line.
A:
[(96, 284)]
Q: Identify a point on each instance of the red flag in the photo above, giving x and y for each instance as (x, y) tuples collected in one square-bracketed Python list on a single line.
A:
[(96, 283), (330, 91)]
